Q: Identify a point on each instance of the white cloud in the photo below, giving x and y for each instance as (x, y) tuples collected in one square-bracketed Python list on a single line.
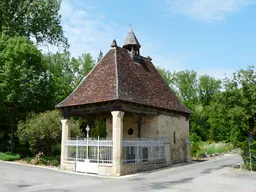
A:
[(207, 10), (86, 29), (90, 31)]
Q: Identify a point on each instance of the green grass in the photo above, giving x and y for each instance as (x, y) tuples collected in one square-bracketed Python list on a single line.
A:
[(206, 148), (9, 156), (216, 148)]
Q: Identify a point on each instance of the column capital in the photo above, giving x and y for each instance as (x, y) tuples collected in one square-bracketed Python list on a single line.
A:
[(66, 122), (117, 113)]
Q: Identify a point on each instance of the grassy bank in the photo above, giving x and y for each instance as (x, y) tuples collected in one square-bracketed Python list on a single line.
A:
[(9, 156), (202, 149)]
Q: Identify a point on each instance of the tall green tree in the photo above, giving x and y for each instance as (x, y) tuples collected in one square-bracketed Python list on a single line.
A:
[(166, 74), (186, 82), (35, 19), (208, 87), (24, 83), (235, 111), (67, 72), (100, 56)]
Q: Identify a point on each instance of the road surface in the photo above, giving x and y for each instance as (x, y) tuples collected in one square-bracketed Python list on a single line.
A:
[(215, 175)]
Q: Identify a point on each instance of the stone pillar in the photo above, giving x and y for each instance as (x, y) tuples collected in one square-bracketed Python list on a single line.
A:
[(187, 151), (117, 136), (66, 127)]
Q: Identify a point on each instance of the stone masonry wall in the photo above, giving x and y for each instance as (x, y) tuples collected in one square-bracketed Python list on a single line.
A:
[(167, 125), (148, 128)]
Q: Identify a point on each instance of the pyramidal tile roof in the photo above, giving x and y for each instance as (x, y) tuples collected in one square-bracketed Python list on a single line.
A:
[(118, 76)]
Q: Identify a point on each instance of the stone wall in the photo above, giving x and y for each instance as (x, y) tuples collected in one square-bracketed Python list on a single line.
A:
[(148, 127), (68, 165), (140, 167), (168, 126), (105, 170)]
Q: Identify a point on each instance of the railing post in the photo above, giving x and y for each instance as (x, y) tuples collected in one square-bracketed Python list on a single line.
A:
[(76, 147), (87, 150), (98, 154)]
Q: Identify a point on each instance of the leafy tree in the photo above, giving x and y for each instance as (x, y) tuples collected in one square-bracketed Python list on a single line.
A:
[(208, 86), (24, 83), (43, 131), (100, 56), (86, 64), (166, 74), (186, 83), (37, 19), (68, 72), (234, 115)]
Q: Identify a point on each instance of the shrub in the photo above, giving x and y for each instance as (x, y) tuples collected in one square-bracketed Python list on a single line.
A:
[(9, 156), (28, 159), (43, 131), (54, 162)]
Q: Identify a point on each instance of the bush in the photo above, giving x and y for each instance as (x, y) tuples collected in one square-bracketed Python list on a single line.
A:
[(28, 159), (245, 154), (54, 162), (43, 132), (9, 156)]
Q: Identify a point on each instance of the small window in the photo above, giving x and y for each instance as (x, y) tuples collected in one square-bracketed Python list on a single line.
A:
[(130, 131), (174, 137)]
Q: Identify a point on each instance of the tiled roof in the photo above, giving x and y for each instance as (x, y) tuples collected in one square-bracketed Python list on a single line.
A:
[(118, 76)]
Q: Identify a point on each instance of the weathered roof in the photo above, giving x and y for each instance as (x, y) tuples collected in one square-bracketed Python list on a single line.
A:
[(119, 77), (131, 40)]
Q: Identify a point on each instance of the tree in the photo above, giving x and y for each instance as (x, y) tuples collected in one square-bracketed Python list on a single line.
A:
[(100, 56), (208, 87), (86, 64), (166, 74), (186, 83), (43, 131), (37, 19), (234, 115), (24, 82), (68, 72)]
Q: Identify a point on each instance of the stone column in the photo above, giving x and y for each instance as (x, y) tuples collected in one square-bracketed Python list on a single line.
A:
[(66, 127), (117, 136)]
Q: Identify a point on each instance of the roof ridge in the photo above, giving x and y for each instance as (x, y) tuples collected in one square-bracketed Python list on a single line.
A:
[(117, 83)]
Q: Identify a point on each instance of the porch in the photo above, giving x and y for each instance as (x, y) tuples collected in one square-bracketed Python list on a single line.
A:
[(132, 145)]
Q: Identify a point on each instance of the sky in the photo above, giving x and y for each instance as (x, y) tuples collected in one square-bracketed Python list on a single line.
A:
[(214, 37)]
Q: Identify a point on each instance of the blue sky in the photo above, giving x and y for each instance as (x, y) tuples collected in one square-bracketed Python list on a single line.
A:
[(216, 37)]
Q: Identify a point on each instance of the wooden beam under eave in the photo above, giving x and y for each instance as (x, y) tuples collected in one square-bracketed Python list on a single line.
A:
[(136, 110)]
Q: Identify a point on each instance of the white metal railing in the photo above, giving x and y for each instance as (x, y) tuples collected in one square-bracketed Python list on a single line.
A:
[(94, 150), (143, 150), (100, 150)]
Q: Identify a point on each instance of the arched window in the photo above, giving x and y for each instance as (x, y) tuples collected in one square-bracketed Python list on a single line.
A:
[(174, 137)]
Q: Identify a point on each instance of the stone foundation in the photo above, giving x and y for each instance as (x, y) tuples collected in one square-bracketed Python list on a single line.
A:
[(140, 167), (68, 165)]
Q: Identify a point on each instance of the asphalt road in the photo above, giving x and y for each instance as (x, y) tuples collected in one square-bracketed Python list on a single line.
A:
[(215, 175)]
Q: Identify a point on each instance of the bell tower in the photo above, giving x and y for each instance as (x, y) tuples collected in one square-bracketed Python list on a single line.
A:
[(132, 44)]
